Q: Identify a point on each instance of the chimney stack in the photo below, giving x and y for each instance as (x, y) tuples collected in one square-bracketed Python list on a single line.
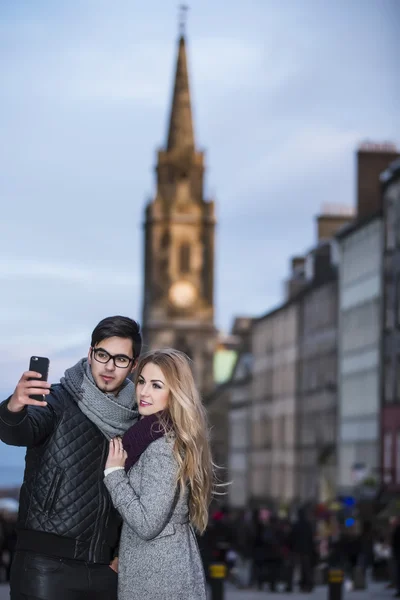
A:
[(297, 279), (372, 160), (298, 263), (333, 218)]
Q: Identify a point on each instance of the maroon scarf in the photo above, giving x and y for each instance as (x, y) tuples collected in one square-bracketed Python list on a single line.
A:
[(140, 435)]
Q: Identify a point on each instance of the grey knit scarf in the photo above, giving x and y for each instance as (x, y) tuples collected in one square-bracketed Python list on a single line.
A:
[(112, 414)]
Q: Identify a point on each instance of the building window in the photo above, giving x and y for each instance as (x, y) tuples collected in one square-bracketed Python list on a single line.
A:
[(397, 221), (390, 226), (398, 301), (182, 345), (398, 457), (389, 306), (388, 384), (309, 267), (387, 456), (184, 258), (398, 379), (335, 252), (165, 240), (313, 381)]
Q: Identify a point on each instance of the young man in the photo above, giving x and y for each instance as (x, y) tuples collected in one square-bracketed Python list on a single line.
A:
[(68, 530)]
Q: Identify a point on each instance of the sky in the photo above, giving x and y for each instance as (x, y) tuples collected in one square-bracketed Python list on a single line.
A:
[(282, 94)]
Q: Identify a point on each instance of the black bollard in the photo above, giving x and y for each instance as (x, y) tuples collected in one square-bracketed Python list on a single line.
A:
[(335, 584), (217, 572)]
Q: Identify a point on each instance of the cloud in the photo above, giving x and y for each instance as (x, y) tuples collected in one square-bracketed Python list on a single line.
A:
[(300, 156), (50, 309), (86, 275), (224, 62)]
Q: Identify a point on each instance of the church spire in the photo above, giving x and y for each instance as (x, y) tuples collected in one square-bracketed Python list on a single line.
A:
[(180, 134)]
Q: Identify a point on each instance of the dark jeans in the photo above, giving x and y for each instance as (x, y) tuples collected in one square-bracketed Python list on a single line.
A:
[(305, 563), (38, 577), (267, 572), (397, 572), (306, 573)]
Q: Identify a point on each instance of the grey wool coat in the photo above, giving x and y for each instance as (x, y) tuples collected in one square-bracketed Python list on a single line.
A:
[(159, 557)]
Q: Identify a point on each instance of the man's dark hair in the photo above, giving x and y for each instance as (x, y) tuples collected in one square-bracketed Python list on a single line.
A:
[(122, 327)]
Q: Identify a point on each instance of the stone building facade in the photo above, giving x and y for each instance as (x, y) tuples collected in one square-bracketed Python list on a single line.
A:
[(273, 412), (390, 390), (359, 361), (317, 387)]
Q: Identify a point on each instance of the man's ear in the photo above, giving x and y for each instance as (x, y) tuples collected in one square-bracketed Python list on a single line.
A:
[(90, 355), (134, 365)]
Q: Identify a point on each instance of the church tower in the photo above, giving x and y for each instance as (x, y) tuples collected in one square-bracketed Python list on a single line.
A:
[(178, 304)]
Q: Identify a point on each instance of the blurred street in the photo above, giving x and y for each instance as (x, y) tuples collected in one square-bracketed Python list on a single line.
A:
[(374, 592)]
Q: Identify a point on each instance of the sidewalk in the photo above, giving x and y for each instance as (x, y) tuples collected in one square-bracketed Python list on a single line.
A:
[(374, 592)]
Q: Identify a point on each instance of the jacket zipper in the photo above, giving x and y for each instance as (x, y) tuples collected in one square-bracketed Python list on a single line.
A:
[(53, 491), (100, 514)]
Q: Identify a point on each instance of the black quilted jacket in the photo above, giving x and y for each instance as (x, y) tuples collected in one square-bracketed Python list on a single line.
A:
[(65, 509)]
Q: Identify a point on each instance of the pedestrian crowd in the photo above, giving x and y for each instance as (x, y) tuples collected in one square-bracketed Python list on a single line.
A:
[(263, 550)]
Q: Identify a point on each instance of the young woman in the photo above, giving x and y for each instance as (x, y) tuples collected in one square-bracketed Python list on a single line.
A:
[(160, 480)]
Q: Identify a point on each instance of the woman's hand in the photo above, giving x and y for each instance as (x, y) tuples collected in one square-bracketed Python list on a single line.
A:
[(116, 455), (114, 564)]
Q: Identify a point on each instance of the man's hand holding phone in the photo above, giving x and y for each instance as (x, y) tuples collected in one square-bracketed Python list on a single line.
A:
[(28, 386)]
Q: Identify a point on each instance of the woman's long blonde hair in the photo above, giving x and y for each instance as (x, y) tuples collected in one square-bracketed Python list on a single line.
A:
[(191, 447)]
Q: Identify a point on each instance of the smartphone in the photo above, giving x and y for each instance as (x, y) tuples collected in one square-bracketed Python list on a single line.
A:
[(41, 365)]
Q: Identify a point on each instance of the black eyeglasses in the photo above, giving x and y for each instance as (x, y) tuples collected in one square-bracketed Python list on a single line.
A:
[(120, 360)]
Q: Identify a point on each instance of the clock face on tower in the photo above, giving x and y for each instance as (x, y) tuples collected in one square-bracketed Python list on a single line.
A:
[(182, 294)]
